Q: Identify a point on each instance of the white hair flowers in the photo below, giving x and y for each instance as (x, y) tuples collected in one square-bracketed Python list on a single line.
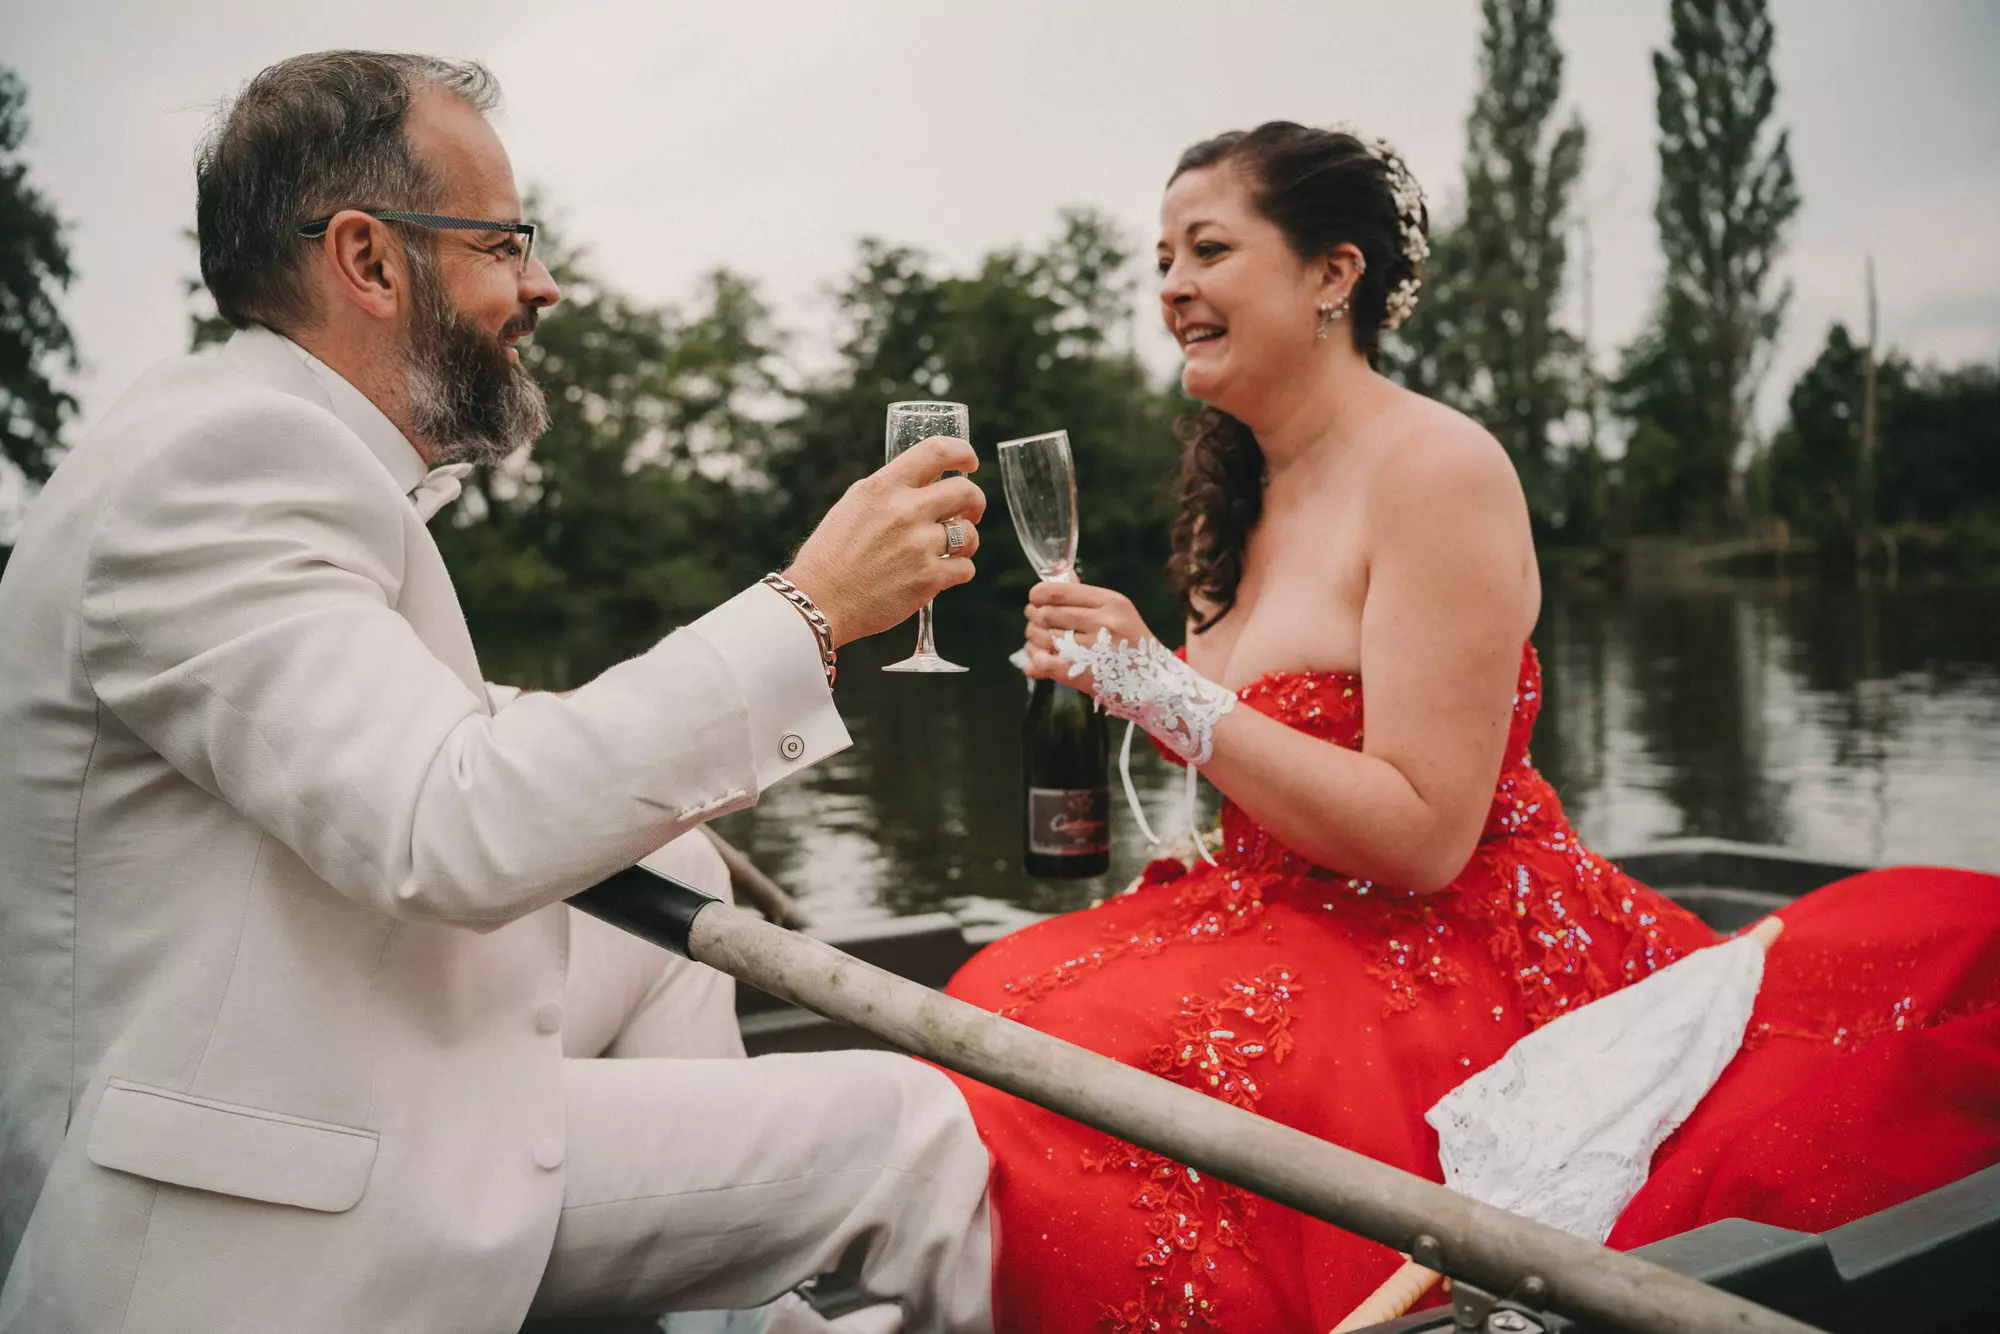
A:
[(1409, 200)]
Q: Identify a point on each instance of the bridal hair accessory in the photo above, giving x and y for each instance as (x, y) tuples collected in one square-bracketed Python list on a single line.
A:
[(815, 619), (1146, 684), (1409, 201)]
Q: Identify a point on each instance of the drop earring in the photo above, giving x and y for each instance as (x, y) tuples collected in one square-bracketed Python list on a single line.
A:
[(1327, 315)]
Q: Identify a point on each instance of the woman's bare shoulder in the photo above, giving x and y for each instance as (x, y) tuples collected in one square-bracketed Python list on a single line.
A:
[(1436, 459)]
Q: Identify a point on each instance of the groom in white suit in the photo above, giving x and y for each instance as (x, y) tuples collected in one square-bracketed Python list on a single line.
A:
[(295, 1027)]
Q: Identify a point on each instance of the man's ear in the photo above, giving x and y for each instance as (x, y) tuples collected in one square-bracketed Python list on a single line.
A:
[(367, 263)]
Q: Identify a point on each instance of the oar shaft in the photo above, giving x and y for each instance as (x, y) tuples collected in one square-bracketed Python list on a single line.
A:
[(753, 887), (1488, 1247)]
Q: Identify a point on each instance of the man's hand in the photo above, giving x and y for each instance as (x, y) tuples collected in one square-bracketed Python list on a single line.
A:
[(878, 555)]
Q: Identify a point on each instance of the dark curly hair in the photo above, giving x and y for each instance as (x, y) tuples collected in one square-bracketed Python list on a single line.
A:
[(1321, 189)]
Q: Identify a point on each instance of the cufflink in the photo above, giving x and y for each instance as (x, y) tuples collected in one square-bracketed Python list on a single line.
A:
[(792, 746)]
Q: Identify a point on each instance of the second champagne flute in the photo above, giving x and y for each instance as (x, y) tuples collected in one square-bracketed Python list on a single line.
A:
[(909, 424), (1065, 741), (1040, 480)]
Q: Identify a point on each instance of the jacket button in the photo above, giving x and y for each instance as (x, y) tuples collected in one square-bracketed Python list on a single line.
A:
[(548, 1019), (792, 746), (548, 1154)]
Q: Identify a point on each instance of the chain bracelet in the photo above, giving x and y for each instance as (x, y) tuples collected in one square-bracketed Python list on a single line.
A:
[(815, 620)]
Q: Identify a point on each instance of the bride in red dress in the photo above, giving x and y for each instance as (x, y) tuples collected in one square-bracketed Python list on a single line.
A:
[(1397, 896)]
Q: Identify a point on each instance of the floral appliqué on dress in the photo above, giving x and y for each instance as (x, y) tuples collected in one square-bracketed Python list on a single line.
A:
[(1559, 924), (1216, 1046)]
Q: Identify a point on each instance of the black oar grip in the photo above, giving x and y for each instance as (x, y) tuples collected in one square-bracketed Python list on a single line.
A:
[(652, 906)]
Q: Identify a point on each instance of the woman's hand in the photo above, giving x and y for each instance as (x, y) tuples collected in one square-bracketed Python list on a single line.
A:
[(1085, 609)]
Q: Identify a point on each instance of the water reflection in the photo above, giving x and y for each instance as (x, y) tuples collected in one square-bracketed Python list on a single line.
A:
[(1858, 724), (1862, 725)]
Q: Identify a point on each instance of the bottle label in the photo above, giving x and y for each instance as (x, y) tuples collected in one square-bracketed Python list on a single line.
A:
[(1069, 822)]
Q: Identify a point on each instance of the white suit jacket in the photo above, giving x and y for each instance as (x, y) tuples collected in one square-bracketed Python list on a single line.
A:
[(281, 926)]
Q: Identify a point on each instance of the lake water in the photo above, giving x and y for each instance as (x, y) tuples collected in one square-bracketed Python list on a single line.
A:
[(1861, 725)]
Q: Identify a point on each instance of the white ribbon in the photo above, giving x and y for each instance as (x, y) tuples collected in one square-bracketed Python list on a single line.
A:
[(1150, 687)]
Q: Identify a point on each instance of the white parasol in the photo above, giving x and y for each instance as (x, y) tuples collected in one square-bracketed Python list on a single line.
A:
[(1562, 1128)]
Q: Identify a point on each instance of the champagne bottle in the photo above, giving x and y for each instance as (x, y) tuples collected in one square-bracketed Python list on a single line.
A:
[(1065, 764)]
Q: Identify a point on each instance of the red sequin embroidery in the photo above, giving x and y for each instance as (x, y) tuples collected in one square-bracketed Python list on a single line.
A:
[(1564, 926), (1216, 1045), (1532, 892)]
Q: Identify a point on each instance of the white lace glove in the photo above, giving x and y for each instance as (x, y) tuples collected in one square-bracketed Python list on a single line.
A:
[(1176, 704), (1149, 686)]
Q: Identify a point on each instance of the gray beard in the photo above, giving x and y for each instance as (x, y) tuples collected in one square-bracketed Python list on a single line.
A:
[(466, 398)]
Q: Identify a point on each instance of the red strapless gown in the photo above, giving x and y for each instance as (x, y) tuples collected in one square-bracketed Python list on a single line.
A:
[(1347, 1008)]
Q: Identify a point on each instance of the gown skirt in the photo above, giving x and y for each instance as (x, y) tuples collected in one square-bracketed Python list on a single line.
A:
[(1870, 1070)]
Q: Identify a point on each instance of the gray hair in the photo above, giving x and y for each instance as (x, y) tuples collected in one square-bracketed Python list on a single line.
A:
[(306, 138)]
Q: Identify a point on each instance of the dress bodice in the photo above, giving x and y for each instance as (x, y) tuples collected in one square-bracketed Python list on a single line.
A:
[(1567, 923), (1328, 705)]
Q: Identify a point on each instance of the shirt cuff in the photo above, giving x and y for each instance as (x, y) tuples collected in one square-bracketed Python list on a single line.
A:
[(775, 661)]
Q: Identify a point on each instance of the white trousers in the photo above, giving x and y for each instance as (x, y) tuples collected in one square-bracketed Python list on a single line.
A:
[(697, 1180)]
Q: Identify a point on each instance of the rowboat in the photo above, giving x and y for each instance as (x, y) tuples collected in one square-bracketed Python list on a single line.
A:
[(1928, 1264)]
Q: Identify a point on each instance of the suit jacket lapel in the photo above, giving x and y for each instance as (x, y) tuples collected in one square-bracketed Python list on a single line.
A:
[(427, 599)]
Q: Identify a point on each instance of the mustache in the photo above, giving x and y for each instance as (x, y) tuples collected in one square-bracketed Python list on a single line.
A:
[(522, 324)]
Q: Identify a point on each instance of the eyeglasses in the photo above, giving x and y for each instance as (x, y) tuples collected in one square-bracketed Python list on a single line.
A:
[(438, 222)]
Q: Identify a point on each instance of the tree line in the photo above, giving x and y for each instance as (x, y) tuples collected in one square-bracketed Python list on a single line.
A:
[(687, 453)]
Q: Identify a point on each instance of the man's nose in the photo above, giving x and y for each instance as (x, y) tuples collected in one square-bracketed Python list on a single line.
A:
[(538, 286)]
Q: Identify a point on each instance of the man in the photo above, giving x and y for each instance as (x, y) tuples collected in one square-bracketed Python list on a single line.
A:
[(286, 980)]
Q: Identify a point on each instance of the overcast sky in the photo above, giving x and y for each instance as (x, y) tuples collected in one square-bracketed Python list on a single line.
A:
[(674, 137)]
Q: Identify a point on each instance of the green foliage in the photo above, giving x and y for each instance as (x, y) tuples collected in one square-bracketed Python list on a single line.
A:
[(1675, 475), (1815, 458), (1726, 201), (680, 464), (1938, 448), (35, 343), (1521, 171), (1436, 352), (205, 327), (1940, 457), (1486, 338), (645, 503), (1027, 342)]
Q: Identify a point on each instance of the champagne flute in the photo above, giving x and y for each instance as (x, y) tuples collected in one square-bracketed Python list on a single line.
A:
[(910, 423), (1065, 742), (1040, 480)]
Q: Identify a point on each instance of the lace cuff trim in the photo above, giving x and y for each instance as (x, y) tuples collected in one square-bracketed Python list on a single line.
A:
[(1149, 685)]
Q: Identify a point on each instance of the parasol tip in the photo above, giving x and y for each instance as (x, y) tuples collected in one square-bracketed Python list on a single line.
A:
[(1767, 931)]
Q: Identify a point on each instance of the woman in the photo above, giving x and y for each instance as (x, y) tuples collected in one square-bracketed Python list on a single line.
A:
[(1383, 918)]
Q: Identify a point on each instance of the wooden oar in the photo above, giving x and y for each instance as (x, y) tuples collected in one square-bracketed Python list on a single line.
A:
[(1473, 1242), (755, 888)]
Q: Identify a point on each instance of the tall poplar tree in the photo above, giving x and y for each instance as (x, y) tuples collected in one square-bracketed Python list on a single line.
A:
[(1522, 164), (1726, 202), (35, 343)]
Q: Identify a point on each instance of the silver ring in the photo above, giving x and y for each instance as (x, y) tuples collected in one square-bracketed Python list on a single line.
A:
[(954, 537)]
